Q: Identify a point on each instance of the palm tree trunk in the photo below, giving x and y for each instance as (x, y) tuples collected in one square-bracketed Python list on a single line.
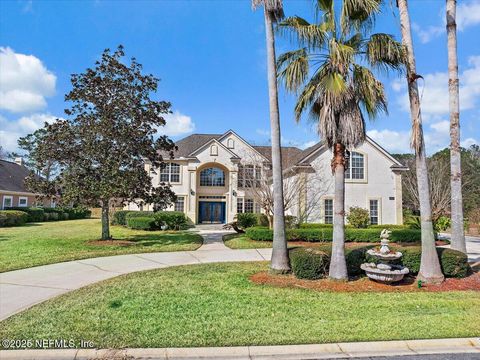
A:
[(458, 235), (105, 221), (338, 264), (430, 271), (280, 262)]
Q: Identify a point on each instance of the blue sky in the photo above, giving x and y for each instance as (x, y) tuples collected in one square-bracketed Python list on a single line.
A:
[(210, 56)]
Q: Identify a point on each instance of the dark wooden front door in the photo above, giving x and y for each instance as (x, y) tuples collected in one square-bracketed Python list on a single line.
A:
[(211, 212)]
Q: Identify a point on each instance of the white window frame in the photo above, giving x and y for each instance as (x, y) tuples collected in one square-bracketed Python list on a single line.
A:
[(348, 171), (7, 197), (230, 144), (177, 202), (256, 176), (167, 170), (213, 150), (23, 198), (379, 209), (240, 204), (324, 210)]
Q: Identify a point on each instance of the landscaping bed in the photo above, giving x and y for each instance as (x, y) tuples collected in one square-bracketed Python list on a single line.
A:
[(363, 284), (218, 305), (47, 243)]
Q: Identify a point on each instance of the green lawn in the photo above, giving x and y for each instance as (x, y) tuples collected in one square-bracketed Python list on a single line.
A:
[(217, 305), (51, 242), (241, 241)]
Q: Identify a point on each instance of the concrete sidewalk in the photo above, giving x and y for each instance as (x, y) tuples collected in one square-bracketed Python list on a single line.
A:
[(314, 351), (21, 289)]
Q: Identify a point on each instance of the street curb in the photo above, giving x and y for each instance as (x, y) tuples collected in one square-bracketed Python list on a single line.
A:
[(284, 352)]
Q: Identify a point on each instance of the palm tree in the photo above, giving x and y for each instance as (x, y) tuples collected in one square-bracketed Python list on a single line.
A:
[(458, 235), (273, 12), (331, 75), (430, 271)]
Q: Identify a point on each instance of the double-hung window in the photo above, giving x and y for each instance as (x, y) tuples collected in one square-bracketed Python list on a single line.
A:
[(180, 204), (374, 211), (356, 166), (328, 211), (170, 173)]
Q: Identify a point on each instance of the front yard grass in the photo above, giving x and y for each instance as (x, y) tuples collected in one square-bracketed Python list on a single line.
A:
[(217, 305), (51, 242)]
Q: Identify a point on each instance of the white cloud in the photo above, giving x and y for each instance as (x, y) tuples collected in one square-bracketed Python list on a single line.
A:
[(24, 82), (468, 14), (177, 124), (11, 131), (393, 141), (308, 144), (469, 142), (434, 90)]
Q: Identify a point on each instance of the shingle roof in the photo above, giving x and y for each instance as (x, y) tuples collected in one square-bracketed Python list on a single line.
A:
[(12, 176), (190, 143), (290, 155)]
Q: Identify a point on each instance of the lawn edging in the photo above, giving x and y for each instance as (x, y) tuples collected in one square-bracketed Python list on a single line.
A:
[(348, 350)]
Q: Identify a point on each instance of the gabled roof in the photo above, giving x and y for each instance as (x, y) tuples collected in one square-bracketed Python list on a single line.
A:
[(189, 144), (208, 143), (290, 154), (12, 176)]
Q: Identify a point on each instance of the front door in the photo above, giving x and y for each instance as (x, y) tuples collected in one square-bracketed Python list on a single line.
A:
[(211, 212)]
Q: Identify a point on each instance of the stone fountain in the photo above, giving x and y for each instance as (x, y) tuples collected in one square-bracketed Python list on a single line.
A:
[(384, 271)]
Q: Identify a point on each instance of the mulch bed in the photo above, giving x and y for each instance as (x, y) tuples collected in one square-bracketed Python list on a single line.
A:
[(363, 284), (110, 243)]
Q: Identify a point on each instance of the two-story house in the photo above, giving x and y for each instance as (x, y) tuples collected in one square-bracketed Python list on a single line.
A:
[(214, 176)]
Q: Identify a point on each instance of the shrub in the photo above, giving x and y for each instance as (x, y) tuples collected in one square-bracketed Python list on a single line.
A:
[(388, 227), (355, 256), (291, 222), (315, 226), (53, 216), (262, 220), (454, 263), (413, 222), (309, 263), (442, 223), (73, 213), (141, 223), (119, 217), (326, 235), (34, 214), (12, 218), (358, 217), (174, 220), (46, 216), (246, 220)]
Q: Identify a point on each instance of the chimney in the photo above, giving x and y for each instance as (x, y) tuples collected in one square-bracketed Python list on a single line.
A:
[(19, 161)]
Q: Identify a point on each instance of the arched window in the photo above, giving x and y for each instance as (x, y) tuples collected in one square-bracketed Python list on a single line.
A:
[(212, 177), (214, 150), (356, 166), (230, 143)]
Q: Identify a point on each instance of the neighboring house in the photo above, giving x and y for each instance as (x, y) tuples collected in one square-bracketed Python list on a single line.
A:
[(12, 186), (209, 174)]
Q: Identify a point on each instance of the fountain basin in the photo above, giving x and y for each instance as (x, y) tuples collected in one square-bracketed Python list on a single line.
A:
[(384, 273), (386, 256)]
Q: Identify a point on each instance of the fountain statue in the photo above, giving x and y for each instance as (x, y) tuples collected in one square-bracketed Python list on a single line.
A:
[(384, 271)]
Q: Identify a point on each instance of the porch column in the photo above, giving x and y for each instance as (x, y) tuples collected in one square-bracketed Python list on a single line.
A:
[(232, 200), (192, 194)]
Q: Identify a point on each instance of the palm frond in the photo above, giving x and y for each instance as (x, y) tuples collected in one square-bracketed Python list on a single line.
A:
[(293, 69), (369, 91), (341, 55), (307, 34), (358, 14), (384, 52)]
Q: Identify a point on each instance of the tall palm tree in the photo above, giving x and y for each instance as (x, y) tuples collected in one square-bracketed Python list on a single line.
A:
[(273, 12), (331, 75), (458, 235), (430, 271)]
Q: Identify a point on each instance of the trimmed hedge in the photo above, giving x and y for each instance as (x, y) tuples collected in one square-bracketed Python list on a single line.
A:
[(326, 235), (315, 226), (174, 220), (120, 217), (141, 223), (35, 214), (453, 263), (309, 263), (12, 218)]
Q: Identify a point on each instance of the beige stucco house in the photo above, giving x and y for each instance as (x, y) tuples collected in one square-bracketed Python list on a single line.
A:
[(214, 177)]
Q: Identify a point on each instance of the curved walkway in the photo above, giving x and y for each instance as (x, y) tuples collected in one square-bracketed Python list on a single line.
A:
[(21, 289)]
